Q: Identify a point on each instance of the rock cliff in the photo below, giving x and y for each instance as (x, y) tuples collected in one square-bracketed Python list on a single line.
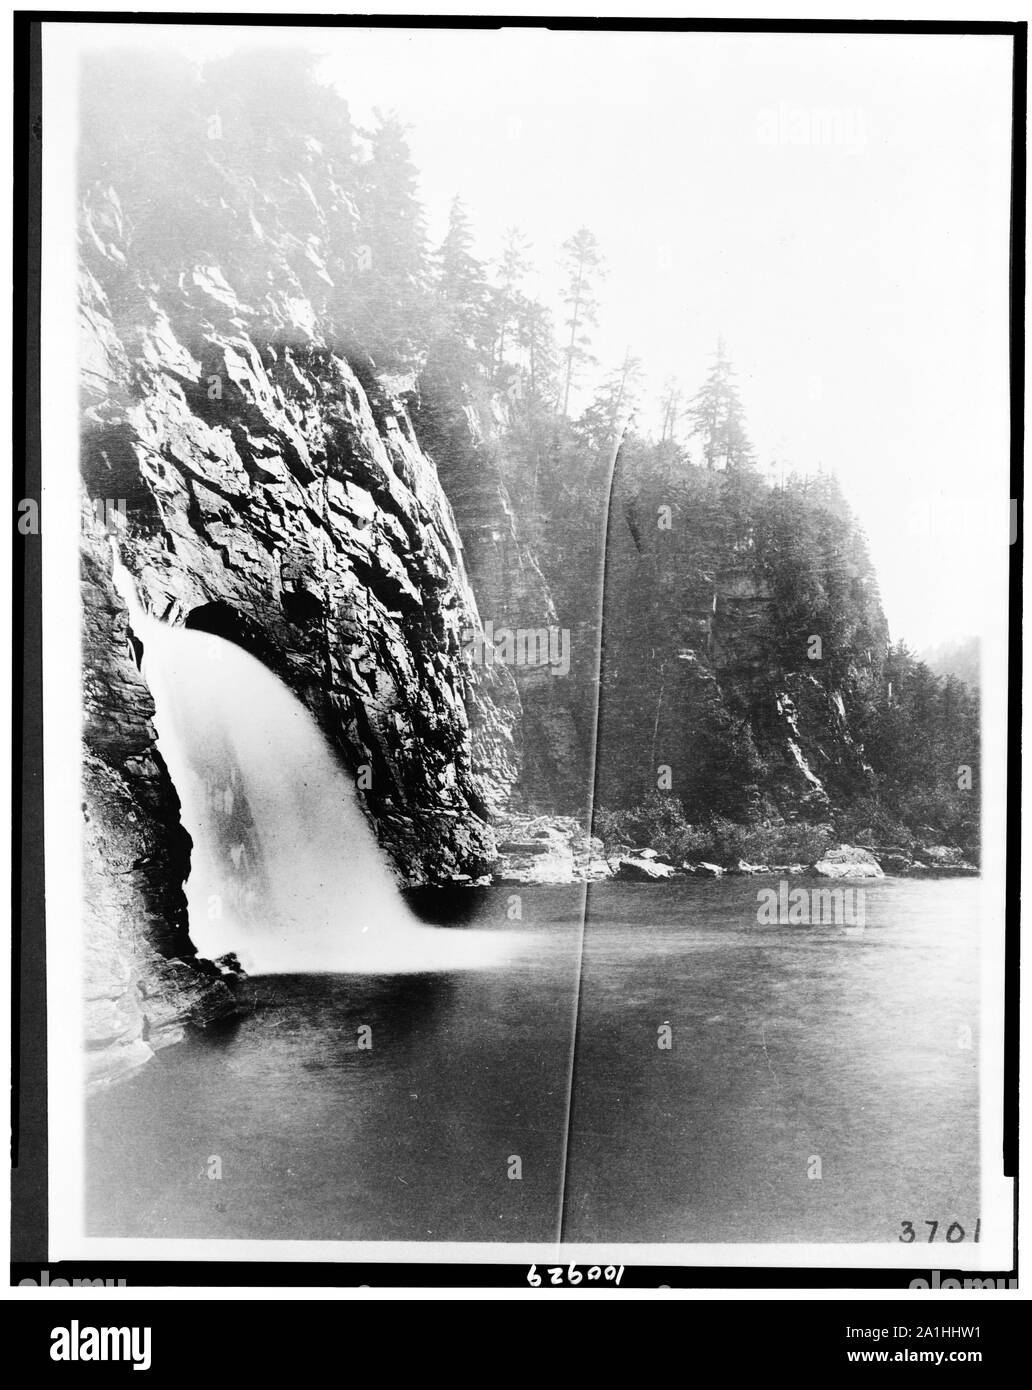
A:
[(512, 593), (261, 486)]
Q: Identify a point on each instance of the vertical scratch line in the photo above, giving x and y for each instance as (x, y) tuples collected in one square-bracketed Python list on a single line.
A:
[(589, 827)]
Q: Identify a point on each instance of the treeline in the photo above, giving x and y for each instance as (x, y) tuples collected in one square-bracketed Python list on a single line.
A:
[(217, 162), (719, 574)]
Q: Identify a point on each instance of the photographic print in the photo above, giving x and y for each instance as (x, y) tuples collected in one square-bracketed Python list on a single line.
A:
[(525, 536)]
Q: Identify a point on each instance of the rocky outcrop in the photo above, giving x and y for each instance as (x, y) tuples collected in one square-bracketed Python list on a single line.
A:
[(143, 983), (639, 869), (704, 870), (710, 689), (546, 850), (261, 486), (511, 590), (847, 861), (943, 860)]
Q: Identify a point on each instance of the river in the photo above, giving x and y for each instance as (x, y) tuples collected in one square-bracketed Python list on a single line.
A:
[(820, 1084)]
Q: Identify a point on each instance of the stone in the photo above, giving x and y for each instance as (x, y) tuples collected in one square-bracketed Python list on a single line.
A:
[(743, 867), (115, 1063), (939, 856), (294, 513), (704, 870), (847, 861), (640, 870), (896, 864)]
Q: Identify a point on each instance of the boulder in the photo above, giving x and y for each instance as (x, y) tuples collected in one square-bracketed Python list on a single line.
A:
[(939, 856), (640, 870), (229, 966), (847, 861), (546, 850), (703, 870), (895, 863), (944, 860), (743, 867)]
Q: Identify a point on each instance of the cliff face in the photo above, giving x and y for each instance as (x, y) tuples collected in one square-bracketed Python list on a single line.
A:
[(262, 487), (142, 982), (512, 593), (738, 652)]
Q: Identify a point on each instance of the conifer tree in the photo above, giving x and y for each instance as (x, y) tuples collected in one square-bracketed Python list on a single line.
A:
[(671, 409), (462, 291), (536, 337), (717, 417), (506, 297), (583, 260), (391, 271), (614, 401)]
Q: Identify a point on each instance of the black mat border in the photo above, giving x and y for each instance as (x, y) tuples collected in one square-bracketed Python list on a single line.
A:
[(28, 950)]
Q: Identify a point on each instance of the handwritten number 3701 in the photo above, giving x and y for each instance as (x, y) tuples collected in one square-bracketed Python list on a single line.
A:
[(954, 1231)]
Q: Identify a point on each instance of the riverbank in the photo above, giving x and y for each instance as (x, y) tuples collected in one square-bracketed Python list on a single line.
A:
[(554, 850)]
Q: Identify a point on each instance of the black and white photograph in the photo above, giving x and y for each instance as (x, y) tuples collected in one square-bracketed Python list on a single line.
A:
[(526, 529)]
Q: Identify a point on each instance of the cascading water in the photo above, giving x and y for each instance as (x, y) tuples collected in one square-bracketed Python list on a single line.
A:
[(285, 871)]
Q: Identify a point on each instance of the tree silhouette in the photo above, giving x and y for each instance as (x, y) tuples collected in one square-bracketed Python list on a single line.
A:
[(717, 417), (583, 259)]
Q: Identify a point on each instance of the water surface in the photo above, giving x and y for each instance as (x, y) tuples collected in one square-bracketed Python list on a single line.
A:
[(788, 1044)]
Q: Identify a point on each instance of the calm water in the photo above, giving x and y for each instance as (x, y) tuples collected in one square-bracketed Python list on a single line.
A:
[(789, 1044)]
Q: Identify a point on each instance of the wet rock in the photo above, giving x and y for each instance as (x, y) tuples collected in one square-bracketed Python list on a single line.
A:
[(229, 967), (704, 870), (939, 856), (175, 994), (944, 861), (115, 1063), (546, 849), (894, 863), (640, 870), (847, 861), (262, 486)]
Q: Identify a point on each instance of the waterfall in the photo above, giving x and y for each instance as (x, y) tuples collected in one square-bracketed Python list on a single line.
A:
[(285, 870)]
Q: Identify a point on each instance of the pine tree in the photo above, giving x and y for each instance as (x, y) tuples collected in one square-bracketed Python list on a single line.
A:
[(670, 408), (717, 417), (506, 297), (391, 271), (614, 401), (583, 259), (536, 338), (462, 291)]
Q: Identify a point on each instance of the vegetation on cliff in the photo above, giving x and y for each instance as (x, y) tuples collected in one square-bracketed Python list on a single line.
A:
[(748, 679)]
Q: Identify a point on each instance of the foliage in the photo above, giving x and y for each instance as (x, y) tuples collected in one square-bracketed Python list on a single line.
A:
[(712, 580), (660, 823)]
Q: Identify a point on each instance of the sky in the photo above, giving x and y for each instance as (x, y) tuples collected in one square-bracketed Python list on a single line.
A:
[(836, 206)]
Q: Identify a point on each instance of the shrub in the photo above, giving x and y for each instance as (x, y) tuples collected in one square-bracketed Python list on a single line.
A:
[(660, 824)]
